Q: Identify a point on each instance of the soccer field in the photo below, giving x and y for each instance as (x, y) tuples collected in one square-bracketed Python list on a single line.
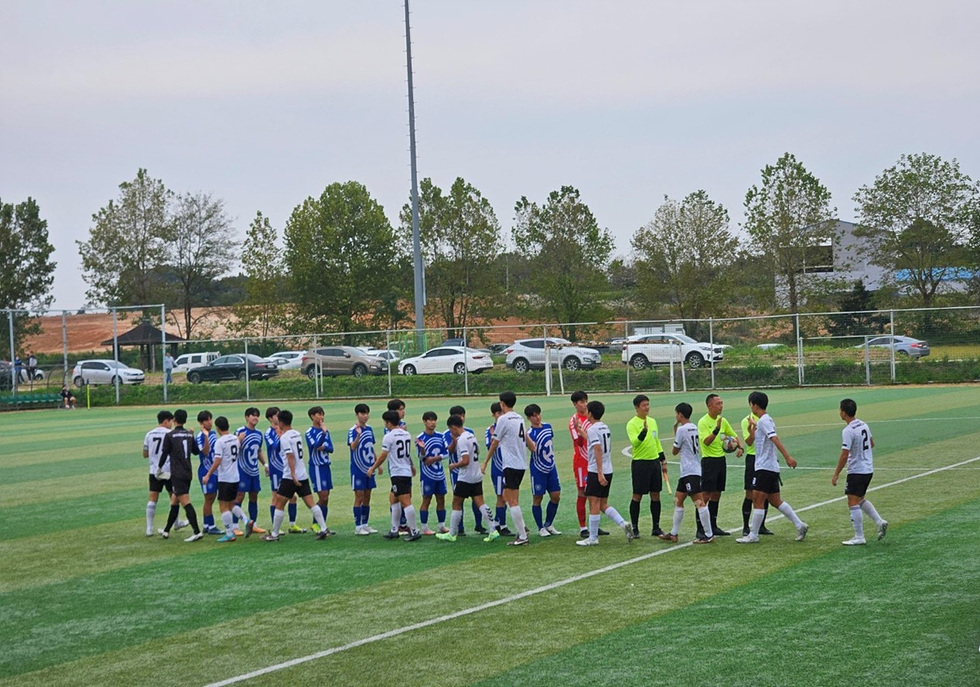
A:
[(86, 598)]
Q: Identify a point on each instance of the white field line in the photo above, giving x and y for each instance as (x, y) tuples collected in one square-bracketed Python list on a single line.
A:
[(530, 592)]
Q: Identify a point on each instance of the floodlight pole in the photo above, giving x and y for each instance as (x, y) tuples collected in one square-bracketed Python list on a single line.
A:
[(416, 240)]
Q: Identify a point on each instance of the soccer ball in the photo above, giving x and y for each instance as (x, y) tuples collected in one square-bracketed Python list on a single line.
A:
[(730, 444), (163, 476)]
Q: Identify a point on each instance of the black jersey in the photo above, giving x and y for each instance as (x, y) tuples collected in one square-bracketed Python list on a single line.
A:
[(179, 445)]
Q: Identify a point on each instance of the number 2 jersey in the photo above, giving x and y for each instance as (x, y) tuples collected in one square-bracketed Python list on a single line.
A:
[(857, 442)]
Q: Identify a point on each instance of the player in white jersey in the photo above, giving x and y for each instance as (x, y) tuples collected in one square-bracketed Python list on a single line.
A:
[(225, 465), (273, 468), (857, 443), (496, 460), (765, 484), (509, 436), (250, 441), (396, 448), (469, 480), (152, 447), (600, 476), (544, 472), (454, 458), (295, 479), (360, 441), (687, 445)]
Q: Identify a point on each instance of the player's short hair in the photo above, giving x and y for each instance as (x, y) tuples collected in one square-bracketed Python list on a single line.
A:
[(638, 399), (709, 398), (579, 396), (429, 415), (759, 398), (163, 416), (362, 408), (204, 415), (271, 412), (454, 421), (684, 409), (457, 410), (391, 417), (221, 422), (286, 417), (596, 409), (849, 406), (180, 416), (314, 410), (252, 411), (395, 404), (495, 407), (532, 409), (508, 398)]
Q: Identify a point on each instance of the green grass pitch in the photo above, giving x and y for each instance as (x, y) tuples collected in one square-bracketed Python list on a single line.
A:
[(86, 598)]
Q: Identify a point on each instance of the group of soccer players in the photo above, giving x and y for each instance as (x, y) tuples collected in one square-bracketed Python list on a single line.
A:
[(299, 467)]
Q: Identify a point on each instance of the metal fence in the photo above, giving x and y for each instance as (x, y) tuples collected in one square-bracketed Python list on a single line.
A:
[(805, 349)]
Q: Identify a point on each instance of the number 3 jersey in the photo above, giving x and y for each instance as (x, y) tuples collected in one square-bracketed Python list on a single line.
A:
[(857, 442)]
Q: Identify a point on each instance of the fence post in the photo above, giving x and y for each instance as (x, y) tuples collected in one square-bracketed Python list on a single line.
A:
[(867, 361), (115, 350), (317, 367), (626, 348), (247, 375), (891, 349), (466, 364), (800, 371), (13, 357), (163, 353), (388, 351), (64, 348), (711, 342)]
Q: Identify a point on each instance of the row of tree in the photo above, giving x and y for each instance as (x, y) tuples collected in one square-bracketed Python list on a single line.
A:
[(340, 265)]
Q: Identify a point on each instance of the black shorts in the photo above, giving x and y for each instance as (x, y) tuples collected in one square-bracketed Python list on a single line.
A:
[(288, 488), (467, 490), (513, 478), (227, 491), (857, 485), (766, 481), (713, 472), (160, 485), (593, 488), (689, 484), (401, 485), (749, 471), (181, 486), (647, 476)]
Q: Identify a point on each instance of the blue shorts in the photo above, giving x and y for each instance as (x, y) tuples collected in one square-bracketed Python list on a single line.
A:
[(275, 479), (320, 478), (544, 482), (247, 483), (431, 487), (497, 477), (212, 484), (359, 481)]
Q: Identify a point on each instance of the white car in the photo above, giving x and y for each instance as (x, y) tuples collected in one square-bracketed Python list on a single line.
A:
[(390, 356), (287, 360), (529, 354), (661, 349), (105, 372), (455, 359), (188, 361)]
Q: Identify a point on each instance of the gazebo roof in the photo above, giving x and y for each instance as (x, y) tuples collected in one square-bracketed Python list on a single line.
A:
[(142, 335)]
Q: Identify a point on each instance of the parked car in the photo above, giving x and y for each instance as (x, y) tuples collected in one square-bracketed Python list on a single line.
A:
[(390, 356), (6, 376), (233, 367), (332, 361), (660, 349), (188, 361), (105, 372), (287, 360), (529, 354), (903, 345), (445, 359)]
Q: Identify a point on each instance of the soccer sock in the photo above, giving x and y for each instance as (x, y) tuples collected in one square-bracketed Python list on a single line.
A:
[(678, 518), (635, 514), (209, 521), (757, 515), (704, 515), (424, 517), (228, 520), (655, 512), (713, 511), (550, 512), (477, 515), (277, 522), (501, 516), (538, 515), (518, 516), (455, 519), (172, 517), (192, 517), (396, 516), (594, 526), (237, 511), (788, 511), (292, 513), (151, 509), (272, 513), (614, 515), (410, 518), (580, 511), (488, 517), (253, 510), (857, 520), (239, 504), (357, 516), (365, 515), (324, 510), (871, 511), (441, 517), (746, 513), (765, 513), (319, 518)]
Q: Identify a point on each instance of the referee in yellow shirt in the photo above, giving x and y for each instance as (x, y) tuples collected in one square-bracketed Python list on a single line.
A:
[(649, 466), (713, 429)]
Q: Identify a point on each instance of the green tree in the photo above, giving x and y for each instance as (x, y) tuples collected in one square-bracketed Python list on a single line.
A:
[(856, 316), (683, 256), (26, 268), (786, 217), (127, 244), (917, 218), (341, 255), (461, 242), (262, 311), (568, 252)]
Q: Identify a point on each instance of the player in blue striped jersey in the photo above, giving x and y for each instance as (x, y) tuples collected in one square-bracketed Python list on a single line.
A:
[(205, 442), (544, 474), (360, 441), (454, 472), (431, 447), (320, 446), (274, 467), (250, 442), (497, 474)]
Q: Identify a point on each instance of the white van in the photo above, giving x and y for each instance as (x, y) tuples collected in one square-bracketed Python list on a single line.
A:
[(188, 361)]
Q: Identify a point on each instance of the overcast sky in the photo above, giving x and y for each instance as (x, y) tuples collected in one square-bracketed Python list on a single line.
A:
[(263, 104)]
